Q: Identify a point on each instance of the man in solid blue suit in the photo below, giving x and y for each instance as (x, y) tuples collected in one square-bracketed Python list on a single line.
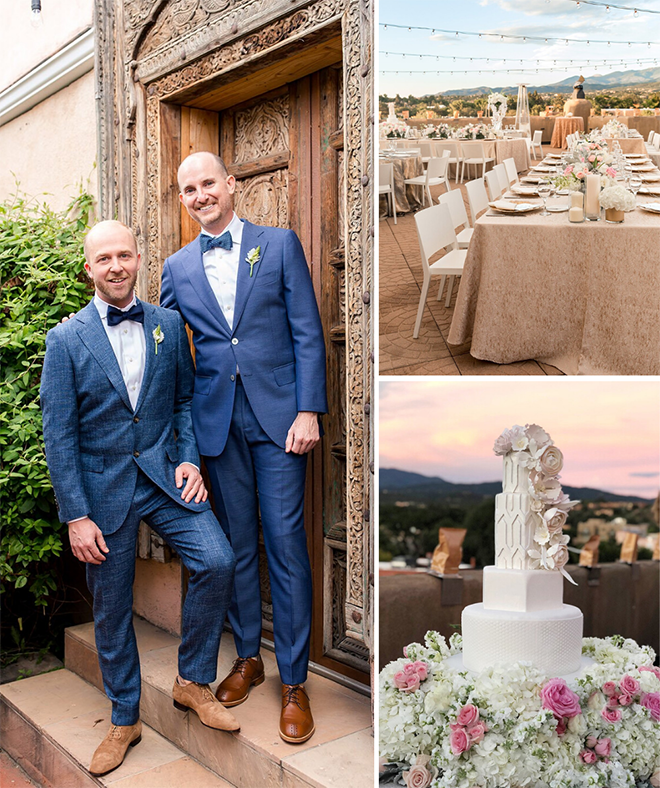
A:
[(246, 293), (116, 393)]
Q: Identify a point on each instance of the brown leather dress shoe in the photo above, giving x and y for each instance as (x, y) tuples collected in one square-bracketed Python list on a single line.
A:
[(112, 750), (296, 722), (246, 672), (200, 699)]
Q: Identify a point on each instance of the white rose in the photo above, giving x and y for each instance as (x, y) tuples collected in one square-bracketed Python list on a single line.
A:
[(596, 701), (552, 461), (577, 725)]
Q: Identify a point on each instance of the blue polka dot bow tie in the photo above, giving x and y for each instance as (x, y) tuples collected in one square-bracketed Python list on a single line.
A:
[(116, 316), (218, 242)]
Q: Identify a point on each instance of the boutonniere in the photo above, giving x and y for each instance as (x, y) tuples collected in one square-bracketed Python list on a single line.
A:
[(253, 257), (158, 336)]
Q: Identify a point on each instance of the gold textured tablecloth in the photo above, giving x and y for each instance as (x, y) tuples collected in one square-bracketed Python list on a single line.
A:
[(406, 197), (504, 149), (564, 127), (628, 145), (582, 297)]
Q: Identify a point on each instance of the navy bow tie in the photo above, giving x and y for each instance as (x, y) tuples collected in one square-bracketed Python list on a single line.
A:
[(218, 242), (116, 316)]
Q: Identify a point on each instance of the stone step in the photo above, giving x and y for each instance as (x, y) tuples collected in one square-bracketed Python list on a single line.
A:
[(51, 724), (340, 753)]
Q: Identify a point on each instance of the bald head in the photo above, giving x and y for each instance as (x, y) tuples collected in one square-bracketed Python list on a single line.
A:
[(108, 230), (207, 191), (204, 159), (112, 262)]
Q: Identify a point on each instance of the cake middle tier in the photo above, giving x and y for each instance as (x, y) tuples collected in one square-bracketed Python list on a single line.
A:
[(550, 639), (522, 590)]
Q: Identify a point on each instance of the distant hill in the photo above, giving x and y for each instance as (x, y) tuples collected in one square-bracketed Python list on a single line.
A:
[(617, 79), (397, 485)]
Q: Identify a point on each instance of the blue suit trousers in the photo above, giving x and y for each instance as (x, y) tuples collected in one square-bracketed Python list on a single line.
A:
[(253, 475), (204, 550)]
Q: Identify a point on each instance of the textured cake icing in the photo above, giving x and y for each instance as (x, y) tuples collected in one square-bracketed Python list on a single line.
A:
[(522, 616)]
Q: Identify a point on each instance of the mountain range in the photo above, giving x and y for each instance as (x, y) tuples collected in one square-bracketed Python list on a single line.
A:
[(414, 486), (617, 79)]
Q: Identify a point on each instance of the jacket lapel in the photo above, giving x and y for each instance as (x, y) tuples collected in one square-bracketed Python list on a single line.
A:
[(194, 268), (244, 282), (93, 334), (150, 357)]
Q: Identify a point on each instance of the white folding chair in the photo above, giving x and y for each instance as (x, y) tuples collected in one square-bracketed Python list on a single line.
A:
[(511, 171), (386, 183), (477, 198), (536, 143), (473, 153), (436, 173), (459, 218), (435, 232), (650, 137), (493, 185), (426, 149), (502, 177), (454, 153)]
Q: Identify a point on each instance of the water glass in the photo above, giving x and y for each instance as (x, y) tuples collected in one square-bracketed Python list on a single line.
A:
[(544, 191)]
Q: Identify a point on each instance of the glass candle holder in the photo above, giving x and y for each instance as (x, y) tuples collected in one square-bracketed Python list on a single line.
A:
[(575, 207)]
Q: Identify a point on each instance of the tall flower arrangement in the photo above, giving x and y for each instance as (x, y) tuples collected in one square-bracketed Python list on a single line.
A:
[(584, 159)]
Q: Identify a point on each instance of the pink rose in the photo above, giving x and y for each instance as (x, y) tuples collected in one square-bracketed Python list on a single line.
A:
[(592, 741), (405, 651), (568, 170), (651, 701), (588, 756), (603, 747), (460, 741), (503, 443), (655, 779), (419, 775), (552, 461), (625, 700), (629, 685), (611, 715), (609, 688), (557, 696), (561, 726), (468, 715), (611, 172), (554, 519), (406, 683), (421, 669), (580, 175), (651, 669), (477, 731), (613, 702), (592, 158)]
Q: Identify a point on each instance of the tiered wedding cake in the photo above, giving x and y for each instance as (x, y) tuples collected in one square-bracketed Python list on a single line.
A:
[(522, 616)]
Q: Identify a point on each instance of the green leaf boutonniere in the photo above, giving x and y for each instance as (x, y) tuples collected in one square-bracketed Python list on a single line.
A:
[(158, 336), (253, 257)]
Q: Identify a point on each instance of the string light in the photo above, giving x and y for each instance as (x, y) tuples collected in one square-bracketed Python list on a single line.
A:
[(537, 61), (608, 5)]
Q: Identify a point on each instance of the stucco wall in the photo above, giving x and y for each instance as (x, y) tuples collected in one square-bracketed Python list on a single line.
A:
[(52, 147), (22, 46)]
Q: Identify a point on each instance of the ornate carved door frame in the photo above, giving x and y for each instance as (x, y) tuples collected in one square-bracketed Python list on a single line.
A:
[(150, 52)]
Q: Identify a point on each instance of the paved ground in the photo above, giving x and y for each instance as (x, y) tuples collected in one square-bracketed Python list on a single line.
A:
[(11, 774), (400, 282)]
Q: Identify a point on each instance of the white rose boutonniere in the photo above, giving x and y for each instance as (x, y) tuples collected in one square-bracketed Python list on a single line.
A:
[(253, 257), (158, 336)]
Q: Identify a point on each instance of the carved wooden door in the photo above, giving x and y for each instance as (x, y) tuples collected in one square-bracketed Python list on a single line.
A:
[(285, 148)]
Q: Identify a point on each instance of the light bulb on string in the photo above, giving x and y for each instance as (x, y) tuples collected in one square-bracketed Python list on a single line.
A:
[(36, 19)]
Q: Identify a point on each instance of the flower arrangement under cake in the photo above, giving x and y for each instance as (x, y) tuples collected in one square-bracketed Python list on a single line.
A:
[(520, 698)]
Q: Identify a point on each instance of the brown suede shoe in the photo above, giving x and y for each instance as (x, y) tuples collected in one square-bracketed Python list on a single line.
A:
[(247, 672), (296, 722), (200, 699), (112, 750)]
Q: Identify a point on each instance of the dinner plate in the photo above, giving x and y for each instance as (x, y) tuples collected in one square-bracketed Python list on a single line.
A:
[(650, 189), (643, 167), (557, 208), (654, 177), (532, 179), (562, 192), (651, 207), (521, 206), (634, 156)]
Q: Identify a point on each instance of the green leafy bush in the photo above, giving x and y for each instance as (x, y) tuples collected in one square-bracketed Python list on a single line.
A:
[(43, 279)]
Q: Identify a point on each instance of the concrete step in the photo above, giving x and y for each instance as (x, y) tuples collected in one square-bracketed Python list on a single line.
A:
[(51, 724), (340, 753)]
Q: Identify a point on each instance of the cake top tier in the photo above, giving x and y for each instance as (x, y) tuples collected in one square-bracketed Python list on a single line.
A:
[(531, 473)]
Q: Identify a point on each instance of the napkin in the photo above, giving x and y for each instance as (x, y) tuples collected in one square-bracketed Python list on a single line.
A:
[(651, 206), (508, 205)]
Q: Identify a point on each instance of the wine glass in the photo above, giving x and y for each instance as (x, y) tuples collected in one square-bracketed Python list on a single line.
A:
[(635, 184), (544, 191)]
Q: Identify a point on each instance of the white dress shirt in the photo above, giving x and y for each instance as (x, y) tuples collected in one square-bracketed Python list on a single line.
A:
[(221, 268), (129, 346)]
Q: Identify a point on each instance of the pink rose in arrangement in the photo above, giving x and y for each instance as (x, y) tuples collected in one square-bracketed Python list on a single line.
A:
[(477, 732), (651, 701), (613, 702), (588, 756), (609, 688), (611, 172), (568, 170), (421, 669), (460, 741), (592, 158), (557, 696), (552, 461), (503, 443), (562, 726), (655, 779), (554, 520), (651, 669), (468, 715), (625, 700), (420, 774), (406, 682), (591, 742), (580, 175), (629, 685), (603, 747), (611, 715)]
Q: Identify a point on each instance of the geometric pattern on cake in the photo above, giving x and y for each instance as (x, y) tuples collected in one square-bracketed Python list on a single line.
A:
[(551, 640), (515, 522)]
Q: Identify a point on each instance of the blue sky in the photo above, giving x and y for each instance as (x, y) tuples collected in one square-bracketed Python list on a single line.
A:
[(551, 18)]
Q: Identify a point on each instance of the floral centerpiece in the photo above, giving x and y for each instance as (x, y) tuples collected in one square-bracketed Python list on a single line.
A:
[(584, 159), (514, 726), (497, 103), (393, 129), (616, 200), (440, 132), (614, 128), (532, 448)]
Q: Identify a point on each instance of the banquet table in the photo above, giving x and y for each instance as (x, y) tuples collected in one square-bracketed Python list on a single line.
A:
[(564, 127), (628, 145), (508, 149), (582, 297), (406, 197)]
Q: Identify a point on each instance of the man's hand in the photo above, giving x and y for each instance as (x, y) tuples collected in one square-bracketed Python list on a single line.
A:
[(87, 541), (303, 434), (194, 485)]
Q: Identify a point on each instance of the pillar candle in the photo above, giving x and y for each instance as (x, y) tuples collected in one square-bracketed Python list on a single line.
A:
[(592, 201)]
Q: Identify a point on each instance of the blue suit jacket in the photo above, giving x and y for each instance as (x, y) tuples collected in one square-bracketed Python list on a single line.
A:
[(95, 442), (276, 339)]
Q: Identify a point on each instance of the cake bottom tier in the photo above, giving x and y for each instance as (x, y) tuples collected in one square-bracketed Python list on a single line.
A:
[(550, 639)]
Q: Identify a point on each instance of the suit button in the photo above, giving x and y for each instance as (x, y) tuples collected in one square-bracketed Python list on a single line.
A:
[(135, 419), (136, 453), (234, 341), (232, 377)]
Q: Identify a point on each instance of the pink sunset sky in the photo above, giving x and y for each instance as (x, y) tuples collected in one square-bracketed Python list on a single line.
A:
[(608, 431)]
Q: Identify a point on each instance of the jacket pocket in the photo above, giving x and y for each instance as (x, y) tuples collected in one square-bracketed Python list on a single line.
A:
[(285, 374), (172, 453), (92, 462), (202, 385), (271, 278)]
